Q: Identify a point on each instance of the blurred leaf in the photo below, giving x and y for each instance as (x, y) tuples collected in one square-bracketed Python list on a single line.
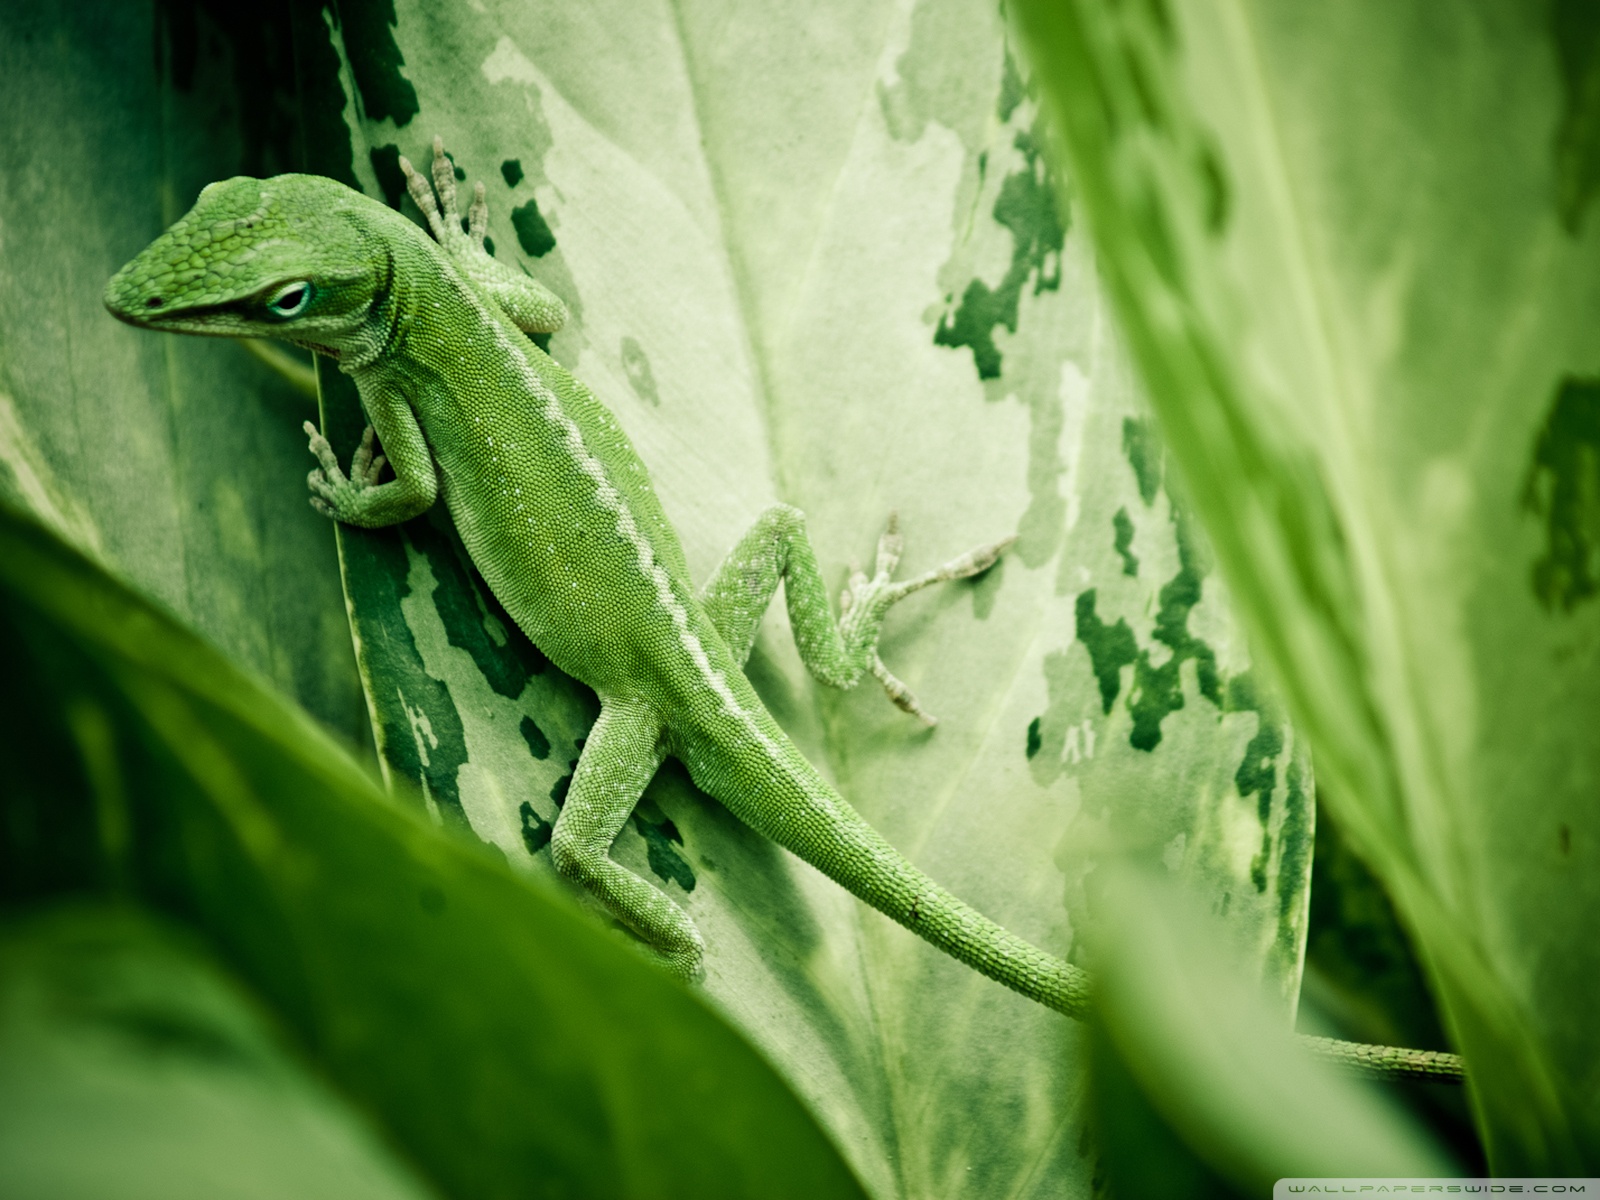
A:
[(175, 459), (1192, 1033), (815, 255), (507, 1044), (1360, 970), (1363, 982), (129, 1067), (1343, 244)]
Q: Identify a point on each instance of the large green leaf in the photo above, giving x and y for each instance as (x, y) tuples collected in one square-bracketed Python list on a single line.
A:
[(130, 1069), (815, 255), (506, 1045), (172, 458), (1355, 252)]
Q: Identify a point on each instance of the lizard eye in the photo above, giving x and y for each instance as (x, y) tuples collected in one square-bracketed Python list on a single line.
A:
[(290, 300)]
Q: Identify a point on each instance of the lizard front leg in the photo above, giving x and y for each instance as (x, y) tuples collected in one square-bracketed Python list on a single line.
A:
[(620, 757), (358, 498), (776, 548)]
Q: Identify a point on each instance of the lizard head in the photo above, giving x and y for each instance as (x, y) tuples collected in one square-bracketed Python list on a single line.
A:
[(273, 257)]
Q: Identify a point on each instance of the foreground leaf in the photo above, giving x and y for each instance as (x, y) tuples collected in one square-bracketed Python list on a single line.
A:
[(507, 1044), (130, 1068), (1354, 249), (1200, 1047)]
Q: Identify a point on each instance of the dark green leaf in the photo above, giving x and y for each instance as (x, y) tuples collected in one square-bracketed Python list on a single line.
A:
[(178, 460), (131, 1068), (504, 1040)]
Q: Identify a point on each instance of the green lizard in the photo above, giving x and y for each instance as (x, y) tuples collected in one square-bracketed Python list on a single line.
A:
[(559, 516)]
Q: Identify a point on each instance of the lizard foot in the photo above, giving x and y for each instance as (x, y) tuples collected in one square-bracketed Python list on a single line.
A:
[(527, 303), (444, 219), (865, 601), (333, 493)]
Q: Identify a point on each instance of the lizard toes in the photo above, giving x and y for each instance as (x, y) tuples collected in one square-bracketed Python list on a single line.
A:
[(322, 487)]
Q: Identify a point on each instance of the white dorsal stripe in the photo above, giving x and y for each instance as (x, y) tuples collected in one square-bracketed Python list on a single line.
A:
[(626, 526)]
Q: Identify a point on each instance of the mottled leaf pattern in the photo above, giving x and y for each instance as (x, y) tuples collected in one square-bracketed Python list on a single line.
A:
[(825, 260)]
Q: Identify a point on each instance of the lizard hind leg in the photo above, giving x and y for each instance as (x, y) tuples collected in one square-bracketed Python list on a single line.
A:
[(619, 759), (777, 549), (865, 601)]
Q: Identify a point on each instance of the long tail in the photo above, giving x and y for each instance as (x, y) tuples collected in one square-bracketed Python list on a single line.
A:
[(795, 807)]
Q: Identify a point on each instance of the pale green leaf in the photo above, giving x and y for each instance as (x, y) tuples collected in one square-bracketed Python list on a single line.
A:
[(1198, 1043), (815, 255), (1354, 249)]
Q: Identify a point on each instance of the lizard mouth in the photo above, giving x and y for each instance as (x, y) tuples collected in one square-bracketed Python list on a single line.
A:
[(205, 321), (216, 321), (195, 321)]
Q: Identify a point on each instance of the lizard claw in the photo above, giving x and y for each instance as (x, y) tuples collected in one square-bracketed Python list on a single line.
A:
[(900, 694), (333, 493), (444, 182), (890, 547), (436, 197), (365, 465), (322, 449), (478, 215), (525, 302), (422, 193), (865, 601)]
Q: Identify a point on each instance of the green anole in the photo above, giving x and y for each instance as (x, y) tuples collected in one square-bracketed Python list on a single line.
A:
[(558, 514)]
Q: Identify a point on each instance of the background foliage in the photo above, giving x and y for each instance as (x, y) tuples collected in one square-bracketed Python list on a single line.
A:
[(1351, 253)]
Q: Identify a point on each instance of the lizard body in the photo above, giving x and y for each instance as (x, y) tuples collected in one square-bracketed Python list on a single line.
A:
[(558, 514)]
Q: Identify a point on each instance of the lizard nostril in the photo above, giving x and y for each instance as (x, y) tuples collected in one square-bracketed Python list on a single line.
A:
[(154, 302)]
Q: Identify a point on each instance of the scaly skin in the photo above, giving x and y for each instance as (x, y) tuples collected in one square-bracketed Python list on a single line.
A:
[(558, 514), (1388, 1062)]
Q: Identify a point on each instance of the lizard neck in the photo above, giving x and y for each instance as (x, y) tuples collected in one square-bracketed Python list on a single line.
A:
[(379, 332)]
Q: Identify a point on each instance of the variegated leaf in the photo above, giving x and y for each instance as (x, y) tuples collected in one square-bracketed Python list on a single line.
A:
[(819, 257)]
